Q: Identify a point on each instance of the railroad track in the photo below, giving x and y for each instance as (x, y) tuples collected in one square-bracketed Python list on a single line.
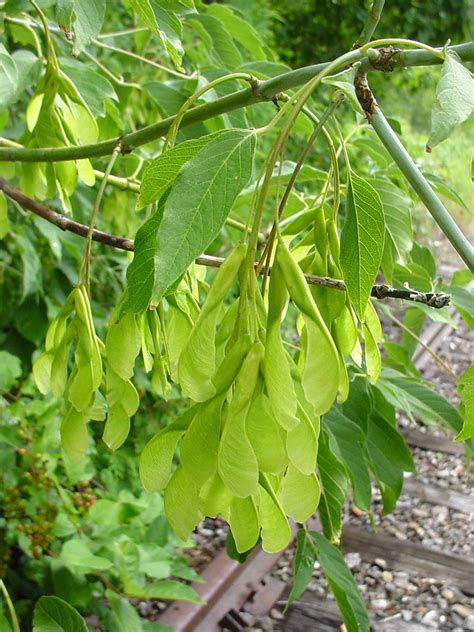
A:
[(229, 585)]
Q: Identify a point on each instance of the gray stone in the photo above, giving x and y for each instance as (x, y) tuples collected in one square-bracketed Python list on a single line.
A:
[(432, 616), (353, 560)]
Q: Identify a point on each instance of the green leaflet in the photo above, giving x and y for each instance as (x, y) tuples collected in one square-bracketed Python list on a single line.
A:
[(182, 503), (342, 583), (166, 589), (124, 616), (276, 532), (89, 15), (303, 566), (197, 363), (347, 441), (224, 49), (201, 196), (362, 240), (455, 96), (239, 29), (266, 436), (52, 613), (94, 87), (164, 24), (389, 459), (276, 369), (320, 378), (244, 524), (397, 206), (8, 78), (416, 399), (334, 489), (302, 444), (141, 272), (237, 463), (299, 494), (163, 171), (466, 391), (157, 455), (198, 453)]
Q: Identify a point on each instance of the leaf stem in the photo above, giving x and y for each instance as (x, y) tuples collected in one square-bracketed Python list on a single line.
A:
[(266, 255), (118, 80), (11, 609), (405, 42), (123, 184), (51, 58), (84, 276), (131, 31), (173, 130), (145, 60), (423, 344)]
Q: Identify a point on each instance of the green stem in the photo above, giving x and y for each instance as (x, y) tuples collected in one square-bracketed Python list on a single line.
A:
[(267, 90), (405, 42), (173, 130), (266, 255), (124, 184), (300, 99), (84, 276), (370, 25), (132, 31), (118, 80), (145, 60), (422, 187), (51, 58), (11, 609), (427, 348)]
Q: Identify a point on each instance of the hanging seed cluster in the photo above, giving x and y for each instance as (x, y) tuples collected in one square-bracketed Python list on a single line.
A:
[(248, 444)]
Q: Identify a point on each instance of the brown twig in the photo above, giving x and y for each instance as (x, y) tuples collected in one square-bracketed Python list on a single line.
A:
[(381, 291)]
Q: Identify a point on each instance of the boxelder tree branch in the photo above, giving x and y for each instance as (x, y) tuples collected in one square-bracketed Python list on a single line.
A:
[(266, 91), (382, 291), (370, 25), (411, 172)]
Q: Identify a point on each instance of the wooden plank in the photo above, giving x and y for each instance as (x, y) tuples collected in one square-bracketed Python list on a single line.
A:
[(410, 557), (430, 441), (310, 615), (314, 614), (437, 495)]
